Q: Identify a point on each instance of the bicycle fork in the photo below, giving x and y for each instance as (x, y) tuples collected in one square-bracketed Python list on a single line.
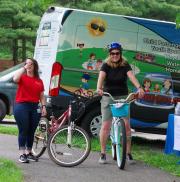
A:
[(69, 135), (115, 132)]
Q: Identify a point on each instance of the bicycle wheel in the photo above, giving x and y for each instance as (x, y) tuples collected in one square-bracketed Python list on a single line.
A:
[(69, 155), (121, 144), (39, 144), (113, 149), (113, 145)]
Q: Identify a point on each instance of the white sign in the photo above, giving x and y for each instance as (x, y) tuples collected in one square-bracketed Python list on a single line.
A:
[(176, 132)]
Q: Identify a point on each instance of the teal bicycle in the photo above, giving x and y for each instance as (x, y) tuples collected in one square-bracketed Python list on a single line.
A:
[(119, 109)]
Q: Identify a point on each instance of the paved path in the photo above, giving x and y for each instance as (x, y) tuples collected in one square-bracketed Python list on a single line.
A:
[(89, 171)]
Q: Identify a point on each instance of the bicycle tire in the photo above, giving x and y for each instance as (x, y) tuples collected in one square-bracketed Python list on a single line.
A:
[(65, 155), (113, 145), (39, 144), (113, 149), (121, 144)]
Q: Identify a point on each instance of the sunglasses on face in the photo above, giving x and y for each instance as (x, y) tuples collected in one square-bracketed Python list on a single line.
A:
[(96, 27), (114, 53)]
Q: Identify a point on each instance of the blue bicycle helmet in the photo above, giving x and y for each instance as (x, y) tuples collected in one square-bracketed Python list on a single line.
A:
[(114, 45)]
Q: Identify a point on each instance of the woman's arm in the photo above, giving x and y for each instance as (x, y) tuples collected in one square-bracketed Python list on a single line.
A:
[(18, 75), (43, 104), (135, 82), (100, 81)]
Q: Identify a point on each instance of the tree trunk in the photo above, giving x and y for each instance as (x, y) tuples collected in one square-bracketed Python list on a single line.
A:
[(15, 51), (23, 49)]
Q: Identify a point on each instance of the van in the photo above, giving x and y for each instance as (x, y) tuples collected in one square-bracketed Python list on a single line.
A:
[(72, 44)]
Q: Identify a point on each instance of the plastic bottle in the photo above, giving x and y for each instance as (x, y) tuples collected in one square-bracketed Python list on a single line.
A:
[(177, 109), (43, 124)]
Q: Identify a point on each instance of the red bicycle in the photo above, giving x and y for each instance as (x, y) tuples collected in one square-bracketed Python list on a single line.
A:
[(68, 145)]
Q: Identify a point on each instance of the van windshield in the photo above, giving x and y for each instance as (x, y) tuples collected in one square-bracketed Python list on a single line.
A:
[(12, 69)]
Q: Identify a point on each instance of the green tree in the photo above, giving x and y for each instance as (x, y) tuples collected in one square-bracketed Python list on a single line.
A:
[(39, 6), (154, 9), (178, 21), (18, 25)]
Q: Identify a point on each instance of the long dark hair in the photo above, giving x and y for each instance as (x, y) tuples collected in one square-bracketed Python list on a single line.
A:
[(36, 67)]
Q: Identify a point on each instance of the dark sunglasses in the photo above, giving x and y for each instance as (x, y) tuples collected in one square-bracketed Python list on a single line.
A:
[(114, 53), (28, 63), (95, 27)]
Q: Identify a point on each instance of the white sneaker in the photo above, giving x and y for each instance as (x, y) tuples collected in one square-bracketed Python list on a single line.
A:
[(130, 159), (102, 159), (23, 158)]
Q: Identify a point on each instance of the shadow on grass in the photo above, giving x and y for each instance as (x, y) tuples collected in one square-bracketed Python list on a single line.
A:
[(155, 144)]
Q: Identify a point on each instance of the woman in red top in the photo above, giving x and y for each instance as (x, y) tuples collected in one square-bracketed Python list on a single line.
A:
[(29, 93)]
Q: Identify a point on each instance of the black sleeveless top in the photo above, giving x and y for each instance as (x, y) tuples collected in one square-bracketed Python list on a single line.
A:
[(116, 79)]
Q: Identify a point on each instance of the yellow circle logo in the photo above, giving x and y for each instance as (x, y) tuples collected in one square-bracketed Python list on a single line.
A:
[(97, 27)]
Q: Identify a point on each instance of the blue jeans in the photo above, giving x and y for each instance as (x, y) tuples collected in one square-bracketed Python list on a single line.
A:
[(27, 119)]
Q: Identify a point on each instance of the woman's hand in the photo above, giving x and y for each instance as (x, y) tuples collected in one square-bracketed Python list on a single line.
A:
[(99, 91), (43, 111), (140, 92), (27, 65), (43, 104)]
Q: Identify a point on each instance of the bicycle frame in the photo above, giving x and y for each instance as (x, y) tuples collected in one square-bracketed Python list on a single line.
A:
[(52, 125), (57, 123), (115, 129)]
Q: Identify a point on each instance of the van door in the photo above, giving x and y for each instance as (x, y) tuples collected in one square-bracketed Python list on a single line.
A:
[(47, 44)]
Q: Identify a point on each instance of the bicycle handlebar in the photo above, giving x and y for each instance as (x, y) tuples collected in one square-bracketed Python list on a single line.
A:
[(134, 95)]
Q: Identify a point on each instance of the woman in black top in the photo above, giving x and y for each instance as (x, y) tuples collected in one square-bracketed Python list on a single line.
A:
[(113, 79)]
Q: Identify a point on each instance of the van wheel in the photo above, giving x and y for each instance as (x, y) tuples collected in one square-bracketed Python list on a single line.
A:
[(92, 122), (2, 110)]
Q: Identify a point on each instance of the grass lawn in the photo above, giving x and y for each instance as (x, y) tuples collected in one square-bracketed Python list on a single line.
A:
[(152, 153), (10, 130), (9, 172), (148, 151), (9, 117)]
